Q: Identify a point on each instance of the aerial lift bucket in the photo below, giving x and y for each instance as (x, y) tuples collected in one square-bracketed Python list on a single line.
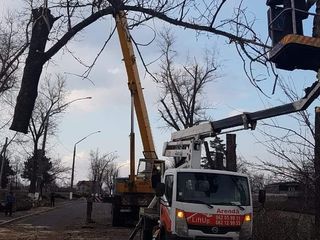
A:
[(296, 52), (290, 48)]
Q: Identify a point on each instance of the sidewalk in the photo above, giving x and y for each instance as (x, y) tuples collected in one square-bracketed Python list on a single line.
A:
[(33, 211)]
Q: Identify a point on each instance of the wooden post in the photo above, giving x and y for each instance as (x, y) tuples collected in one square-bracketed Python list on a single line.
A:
[(316, 21), (231, 157), (317, 172)]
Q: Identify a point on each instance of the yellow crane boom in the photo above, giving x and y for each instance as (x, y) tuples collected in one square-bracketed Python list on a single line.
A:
[(138, 190), (135, 88)]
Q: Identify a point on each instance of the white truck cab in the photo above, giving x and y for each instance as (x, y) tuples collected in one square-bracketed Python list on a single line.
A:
[(206, 204)]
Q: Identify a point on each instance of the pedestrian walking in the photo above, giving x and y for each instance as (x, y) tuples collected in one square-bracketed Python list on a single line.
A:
[(10, 200), (52, 199)]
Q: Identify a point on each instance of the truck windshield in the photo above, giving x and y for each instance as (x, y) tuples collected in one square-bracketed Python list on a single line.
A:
[(215, 189)]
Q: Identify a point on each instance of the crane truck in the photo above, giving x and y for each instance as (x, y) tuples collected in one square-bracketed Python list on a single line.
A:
[(135, 191)]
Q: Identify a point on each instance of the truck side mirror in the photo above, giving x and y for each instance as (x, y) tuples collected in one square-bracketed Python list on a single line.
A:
[(160, 189), (262, 196)]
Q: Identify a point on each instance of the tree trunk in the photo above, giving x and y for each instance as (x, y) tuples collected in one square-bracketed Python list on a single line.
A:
[(42, 24), (231, 156), (33, 180), (37, 155), (317, 172)]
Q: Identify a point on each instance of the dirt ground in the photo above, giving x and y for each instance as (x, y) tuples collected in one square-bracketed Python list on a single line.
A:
[(96, 231)]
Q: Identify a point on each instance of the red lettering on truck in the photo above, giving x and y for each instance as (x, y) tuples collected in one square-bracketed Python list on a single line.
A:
[(214, 219)]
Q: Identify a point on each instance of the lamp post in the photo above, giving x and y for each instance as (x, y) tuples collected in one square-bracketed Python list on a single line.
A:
[(74, 159)]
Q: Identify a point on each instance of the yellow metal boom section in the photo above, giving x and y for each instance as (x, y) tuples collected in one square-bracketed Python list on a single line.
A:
[(134, 83)]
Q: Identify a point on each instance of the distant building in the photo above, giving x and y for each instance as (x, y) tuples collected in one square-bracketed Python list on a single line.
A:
[(86, 187), (292, 189)]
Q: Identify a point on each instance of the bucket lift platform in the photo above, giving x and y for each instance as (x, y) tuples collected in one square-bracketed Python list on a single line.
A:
[(296, 52)]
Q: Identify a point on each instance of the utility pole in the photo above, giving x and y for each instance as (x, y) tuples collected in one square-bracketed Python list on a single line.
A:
[(3, 158), (17, 167), (317, 172)]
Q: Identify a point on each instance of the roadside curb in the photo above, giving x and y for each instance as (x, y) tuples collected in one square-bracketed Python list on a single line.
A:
[(31, 214)]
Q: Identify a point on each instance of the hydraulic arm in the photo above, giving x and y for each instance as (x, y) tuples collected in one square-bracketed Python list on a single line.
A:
[(248, 120), (186, 143)]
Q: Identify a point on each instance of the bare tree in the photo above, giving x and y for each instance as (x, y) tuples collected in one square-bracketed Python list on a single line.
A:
[(258, 179), (101, 166), (74, 16), (59, 170), (12, 46), (111, 173), (13, 43), (50, 104), (182, 87), (294, 149), (17, 165), (292, 146), (182, 91)]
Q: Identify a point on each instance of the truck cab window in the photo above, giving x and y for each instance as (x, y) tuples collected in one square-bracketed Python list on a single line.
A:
[(212, 188), (169, 188)]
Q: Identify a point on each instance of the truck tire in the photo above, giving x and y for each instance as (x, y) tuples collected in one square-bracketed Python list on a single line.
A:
[(146, 234), (164, 235), (147, 229), (116, 220)]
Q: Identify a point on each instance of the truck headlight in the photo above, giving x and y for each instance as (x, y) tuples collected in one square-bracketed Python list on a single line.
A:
[(181, 223), (246, 228), (247, 218)]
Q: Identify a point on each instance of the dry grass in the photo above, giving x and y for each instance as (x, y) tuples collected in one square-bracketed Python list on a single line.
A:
[(280, 225)]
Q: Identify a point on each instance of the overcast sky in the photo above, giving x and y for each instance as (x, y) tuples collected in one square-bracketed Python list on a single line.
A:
[(109, 109)]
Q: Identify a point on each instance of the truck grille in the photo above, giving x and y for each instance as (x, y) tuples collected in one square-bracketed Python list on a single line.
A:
[(218, 230)]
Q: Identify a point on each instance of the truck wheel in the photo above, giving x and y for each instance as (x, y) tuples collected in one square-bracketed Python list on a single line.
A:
[(147, 229), (146, 234), (164, 235), (115, 216)]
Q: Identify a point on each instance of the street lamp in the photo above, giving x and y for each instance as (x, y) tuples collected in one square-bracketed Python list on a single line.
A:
[(122, 165), (72, 101), (74, 159), (49, 113)]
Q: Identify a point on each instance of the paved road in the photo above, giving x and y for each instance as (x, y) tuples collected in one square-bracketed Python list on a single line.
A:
[(66, 222), (64, 216)]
